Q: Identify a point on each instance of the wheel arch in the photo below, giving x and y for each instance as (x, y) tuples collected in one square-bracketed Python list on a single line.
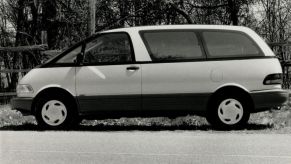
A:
[(51, 91), (230, 89)]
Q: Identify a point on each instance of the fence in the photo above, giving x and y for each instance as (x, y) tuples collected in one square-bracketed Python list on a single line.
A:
[(6, 95)]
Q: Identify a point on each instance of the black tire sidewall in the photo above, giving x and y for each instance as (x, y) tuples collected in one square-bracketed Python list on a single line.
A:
[(71, 112), (215, 121)]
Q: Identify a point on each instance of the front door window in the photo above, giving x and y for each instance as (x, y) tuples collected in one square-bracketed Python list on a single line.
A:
[(108, 49)]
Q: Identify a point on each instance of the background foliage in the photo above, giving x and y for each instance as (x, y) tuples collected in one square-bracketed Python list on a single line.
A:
[(22, 22)]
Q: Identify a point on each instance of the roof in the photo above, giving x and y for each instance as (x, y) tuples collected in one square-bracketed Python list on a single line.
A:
[(168, 27), (134, 30)]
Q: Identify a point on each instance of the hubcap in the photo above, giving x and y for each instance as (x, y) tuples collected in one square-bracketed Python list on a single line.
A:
[(230, 111), (54, 112)]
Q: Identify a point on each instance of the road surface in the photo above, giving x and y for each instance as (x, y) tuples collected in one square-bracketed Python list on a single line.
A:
[(143, 147)]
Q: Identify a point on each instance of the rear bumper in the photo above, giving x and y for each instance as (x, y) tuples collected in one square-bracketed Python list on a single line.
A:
[(264, 100), (22, 104)]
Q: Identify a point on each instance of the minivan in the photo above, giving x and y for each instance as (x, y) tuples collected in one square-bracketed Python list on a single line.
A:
[(223, 73)]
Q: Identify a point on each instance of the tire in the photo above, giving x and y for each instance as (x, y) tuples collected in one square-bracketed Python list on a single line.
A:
[(56, 112), (228, 112)]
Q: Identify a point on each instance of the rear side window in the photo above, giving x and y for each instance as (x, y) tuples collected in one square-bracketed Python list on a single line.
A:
[(172, 45), (229, 44)]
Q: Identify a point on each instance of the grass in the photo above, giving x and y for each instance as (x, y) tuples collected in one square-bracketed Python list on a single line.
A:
[(10, 117), (269, 121)]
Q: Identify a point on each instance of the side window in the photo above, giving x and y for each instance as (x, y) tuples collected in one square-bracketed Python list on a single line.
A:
[(172, 45), (71, 56), (229, 44), (108, 48)]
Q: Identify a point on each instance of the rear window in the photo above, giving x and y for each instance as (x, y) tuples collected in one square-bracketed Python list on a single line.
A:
[(229, 44), (172, 45)]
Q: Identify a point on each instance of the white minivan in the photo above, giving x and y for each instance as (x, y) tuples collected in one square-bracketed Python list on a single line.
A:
[(221, 72)]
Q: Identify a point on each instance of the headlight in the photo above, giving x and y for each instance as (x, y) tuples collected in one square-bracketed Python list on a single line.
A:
[(24, 88)]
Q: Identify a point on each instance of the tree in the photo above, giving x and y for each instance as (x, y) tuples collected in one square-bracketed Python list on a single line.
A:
[(275, 20), (65, 23)]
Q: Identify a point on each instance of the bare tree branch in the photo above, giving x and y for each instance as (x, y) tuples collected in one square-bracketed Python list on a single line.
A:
[(208, 7), (182, 12)]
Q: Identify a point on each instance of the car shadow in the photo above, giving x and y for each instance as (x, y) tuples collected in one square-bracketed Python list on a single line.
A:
[(101, 127)]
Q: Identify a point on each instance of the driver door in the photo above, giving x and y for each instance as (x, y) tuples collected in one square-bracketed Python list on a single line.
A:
[(108, 79)]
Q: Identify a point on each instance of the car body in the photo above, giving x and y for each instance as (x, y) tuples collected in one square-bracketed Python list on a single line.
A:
[(222, 72)]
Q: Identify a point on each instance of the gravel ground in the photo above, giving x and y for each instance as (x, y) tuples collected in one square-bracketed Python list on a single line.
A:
[(278, 121)]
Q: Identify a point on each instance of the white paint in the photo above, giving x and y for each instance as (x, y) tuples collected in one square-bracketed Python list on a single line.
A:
[(43, 78), (107, 80), (216, 75), (98, 73), (197, 77)]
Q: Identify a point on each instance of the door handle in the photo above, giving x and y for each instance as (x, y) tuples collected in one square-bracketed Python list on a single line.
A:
[(132, 68)]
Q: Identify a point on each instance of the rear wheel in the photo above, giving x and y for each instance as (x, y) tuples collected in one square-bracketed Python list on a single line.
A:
[(56, 112), (228, 111)]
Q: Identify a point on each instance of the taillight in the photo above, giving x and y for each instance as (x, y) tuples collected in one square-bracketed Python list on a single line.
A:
[(272, 79)]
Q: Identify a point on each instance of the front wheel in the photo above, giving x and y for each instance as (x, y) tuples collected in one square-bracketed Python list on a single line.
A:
[(228, 112), (55, 113)]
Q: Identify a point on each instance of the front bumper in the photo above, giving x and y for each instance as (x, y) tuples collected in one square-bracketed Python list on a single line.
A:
[(22, 104), (264, 100)]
